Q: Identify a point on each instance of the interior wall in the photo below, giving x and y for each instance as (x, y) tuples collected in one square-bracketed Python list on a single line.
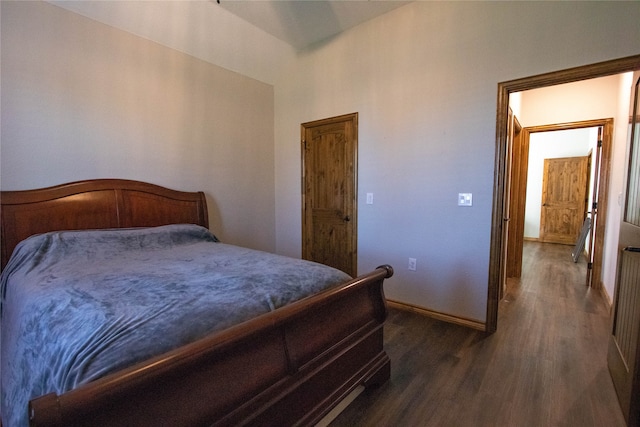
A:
[(423, 79), (606, 97), (200, 28), (84, 100)]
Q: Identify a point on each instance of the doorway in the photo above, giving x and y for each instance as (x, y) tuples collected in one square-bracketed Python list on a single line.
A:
[(599, 193), (498, 220)]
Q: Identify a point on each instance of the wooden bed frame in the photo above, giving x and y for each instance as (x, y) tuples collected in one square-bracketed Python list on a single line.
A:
[(288, 367)]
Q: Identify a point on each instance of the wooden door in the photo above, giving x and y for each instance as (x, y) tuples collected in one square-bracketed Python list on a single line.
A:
[(624, 349), (329, 192), (564, 183), (517, 198), (593, 209), (506, 230)]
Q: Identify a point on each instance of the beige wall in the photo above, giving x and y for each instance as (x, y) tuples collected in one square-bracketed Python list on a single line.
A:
[(201, 28), (82, 100)]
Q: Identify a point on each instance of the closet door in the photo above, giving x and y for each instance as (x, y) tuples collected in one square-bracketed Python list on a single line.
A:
[(624, 351)]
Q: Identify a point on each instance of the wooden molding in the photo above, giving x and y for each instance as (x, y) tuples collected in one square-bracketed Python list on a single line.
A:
[(449, 318)]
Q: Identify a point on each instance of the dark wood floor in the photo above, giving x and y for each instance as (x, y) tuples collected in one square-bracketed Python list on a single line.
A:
[(545, 366)]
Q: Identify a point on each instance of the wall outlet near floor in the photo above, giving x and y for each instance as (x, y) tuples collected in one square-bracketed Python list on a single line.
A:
[(412, 264)]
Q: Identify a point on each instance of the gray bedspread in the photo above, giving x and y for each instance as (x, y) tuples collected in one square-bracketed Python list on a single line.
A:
[(77, 305)]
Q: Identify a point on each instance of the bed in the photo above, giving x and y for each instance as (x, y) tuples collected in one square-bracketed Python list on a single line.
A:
[(289, 365)]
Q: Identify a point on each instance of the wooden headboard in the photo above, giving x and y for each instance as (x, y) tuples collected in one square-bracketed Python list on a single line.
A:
[(94, 204)]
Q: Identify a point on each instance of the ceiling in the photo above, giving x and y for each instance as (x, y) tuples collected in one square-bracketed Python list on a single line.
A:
[(302, 23)]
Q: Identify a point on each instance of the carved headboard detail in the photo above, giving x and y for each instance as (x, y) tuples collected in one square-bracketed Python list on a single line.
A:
[(94, 204)]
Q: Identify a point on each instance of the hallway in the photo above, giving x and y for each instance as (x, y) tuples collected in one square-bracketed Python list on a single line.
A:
[(545, 366)]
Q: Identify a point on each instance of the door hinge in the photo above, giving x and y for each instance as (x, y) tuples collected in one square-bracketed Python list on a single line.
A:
[(589, 266), (599, 143), (304, 142), (594, 205)]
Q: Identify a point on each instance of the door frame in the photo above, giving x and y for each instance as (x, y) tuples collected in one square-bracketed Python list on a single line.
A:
[(570, 75)]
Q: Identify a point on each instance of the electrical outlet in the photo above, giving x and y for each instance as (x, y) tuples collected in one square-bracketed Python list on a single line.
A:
[(412, 264), (369, 198)]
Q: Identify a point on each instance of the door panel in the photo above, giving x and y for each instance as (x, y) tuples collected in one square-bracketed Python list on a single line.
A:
[(563, 199), (592, 251), (506, 230), (518, 190), (624, 352), (329, 219)]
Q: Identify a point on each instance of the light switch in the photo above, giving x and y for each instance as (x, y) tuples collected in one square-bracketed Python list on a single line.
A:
[(465, 199), (369, 198)]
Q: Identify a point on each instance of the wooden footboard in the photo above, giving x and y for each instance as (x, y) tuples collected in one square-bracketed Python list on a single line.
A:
[(287, 367)]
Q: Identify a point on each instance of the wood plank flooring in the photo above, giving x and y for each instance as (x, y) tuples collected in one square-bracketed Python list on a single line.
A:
[(545, 366)]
